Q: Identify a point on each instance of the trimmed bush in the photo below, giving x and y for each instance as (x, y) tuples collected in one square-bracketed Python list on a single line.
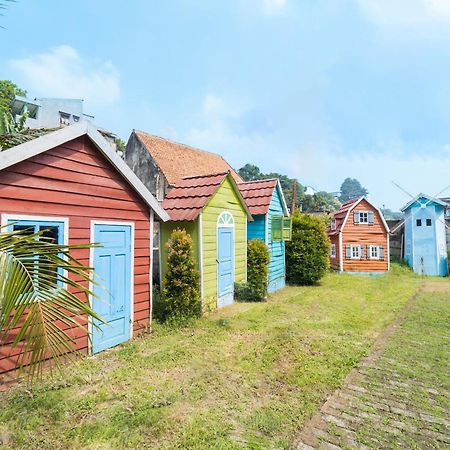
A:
[(257, 271), (307, 254), (181, 287)]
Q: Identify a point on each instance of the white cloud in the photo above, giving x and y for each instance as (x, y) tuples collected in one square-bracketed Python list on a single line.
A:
[(274, 6), (406, 13), (62, 72)]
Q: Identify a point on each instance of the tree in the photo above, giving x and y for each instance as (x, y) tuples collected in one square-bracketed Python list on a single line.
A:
[(37, 278), (181, 288), (250, 172), (320, 202), (8, 91), (351, 188), (307, 253)]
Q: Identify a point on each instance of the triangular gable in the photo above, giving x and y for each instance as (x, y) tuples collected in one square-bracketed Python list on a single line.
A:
[(426, 197), (355, 204), (56, 138)]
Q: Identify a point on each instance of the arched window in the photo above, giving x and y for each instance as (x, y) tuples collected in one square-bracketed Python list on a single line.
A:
[(225, 220)]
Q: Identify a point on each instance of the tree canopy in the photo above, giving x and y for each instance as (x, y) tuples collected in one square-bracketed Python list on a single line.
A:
[(8, 90), (352, 188), (320, 201)]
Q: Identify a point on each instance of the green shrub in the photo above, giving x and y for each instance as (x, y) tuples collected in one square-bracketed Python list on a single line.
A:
[(307, 254), (181, 287), (257, 270)]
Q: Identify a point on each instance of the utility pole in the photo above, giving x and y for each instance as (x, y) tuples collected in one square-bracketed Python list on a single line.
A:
[(294, 197)]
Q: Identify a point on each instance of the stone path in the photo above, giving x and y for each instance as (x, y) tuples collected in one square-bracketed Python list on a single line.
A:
[(389, 402)]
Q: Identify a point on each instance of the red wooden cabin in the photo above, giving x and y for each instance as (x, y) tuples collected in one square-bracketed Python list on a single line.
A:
[(71, 183), (359, 238)]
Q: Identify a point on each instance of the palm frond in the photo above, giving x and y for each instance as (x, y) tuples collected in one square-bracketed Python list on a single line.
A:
[(40, 301)]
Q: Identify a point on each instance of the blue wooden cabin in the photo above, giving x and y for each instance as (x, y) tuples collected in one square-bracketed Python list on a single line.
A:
[(271, 224), (425, 246)]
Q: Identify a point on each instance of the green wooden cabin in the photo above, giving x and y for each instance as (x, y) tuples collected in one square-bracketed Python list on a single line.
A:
[(212, 210)]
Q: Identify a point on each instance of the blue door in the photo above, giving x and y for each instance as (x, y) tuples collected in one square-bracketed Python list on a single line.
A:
[(225, 255), (112, 268)]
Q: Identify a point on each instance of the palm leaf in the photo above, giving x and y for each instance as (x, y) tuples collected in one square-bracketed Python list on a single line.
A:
[(37, 283)]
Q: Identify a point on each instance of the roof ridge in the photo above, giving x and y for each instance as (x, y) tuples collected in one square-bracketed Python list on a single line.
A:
[(171, 141), (193, 177)]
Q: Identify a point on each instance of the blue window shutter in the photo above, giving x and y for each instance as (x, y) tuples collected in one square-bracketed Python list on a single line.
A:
[(368, 252), (381, 252), (362, 251), (348, 252), (356, 216), (371, 218)]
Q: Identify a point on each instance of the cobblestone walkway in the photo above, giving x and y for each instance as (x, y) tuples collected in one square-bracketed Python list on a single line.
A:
[(398, 397)]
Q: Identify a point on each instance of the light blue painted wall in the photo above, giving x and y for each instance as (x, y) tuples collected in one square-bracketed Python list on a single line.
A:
[(277, 270), (425, 246), (257, 228)]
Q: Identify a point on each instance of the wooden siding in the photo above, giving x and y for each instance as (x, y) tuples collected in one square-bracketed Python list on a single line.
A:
[(334, 262), (365, 234), (75, 181), (225, 199), (277, 270), (257, 228)]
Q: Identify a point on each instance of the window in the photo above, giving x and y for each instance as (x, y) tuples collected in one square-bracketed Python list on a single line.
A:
[(333, 251), (76, 118), (225, 220), (419, 222), (428, 222), (287, 228), (64, 118), (374, 252), (51, 231), (356, 252), (333, 224), (363, 217), (281, 228)]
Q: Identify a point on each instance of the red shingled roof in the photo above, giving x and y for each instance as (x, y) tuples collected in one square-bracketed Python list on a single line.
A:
[(258, 194), (187, 199), (178, 161), (341, 214)]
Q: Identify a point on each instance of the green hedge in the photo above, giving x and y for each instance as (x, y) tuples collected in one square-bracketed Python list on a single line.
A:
[(255, 289), (307, 254), (181, 286)]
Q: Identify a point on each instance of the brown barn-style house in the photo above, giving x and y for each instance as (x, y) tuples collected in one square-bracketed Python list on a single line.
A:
[(72, 184), (359, 238)]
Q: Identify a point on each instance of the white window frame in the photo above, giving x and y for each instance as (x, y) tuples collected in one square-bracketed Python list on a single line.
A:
[(374, 252), (364, 214), (333, 251), (352, 252), (333, 224)]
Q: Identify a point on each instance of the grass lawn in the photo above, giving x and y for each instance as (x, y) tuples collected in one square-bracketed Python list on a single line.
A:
[(248, 376)]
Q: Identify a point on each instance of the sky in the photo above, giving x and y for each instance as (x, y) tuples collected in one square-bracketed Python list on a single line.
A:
[(319, 90)]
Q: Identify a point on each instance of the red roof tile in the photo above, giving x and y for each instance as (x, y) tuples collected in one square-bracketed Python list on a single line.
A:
[(258, 194), (188, 197), (178, 161)]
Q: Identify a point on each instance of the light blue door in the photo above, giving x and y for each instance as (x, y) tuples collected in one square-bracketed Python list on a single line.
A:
[(112, 268), (225, 255)]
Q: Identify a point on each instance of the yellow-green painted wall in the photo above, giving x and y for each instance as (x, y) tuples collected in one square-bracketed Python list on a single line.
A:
[(225, 199)]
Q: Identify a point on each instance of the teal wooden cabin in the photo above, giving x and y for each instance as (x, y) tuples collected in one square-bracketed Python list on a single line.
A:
[(271, 224)]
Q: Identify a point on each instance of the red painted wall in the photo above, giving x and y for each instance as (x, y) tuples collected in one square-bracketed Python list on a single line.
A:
[(76, 181)]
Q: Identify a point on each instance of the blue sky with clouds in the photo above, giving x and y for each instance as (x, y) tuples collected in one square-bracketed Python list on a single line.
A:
[(317, 89)]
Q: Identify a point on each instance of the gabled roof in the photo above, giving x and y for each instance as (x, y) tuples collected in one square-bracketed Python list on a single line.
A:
[(187, 198), (430, 199), (258, 195), (178, 161), (342, 214), (445, 200), (51, 140)]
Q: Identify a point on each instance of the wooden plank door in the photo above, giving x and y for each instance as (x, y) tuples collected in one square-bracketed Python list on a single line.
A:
[(112, 268), (225, 255)]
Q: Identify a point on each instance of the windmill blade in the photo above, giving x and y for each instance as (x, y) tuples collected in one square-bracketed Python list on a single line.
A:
[(403, 190)]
